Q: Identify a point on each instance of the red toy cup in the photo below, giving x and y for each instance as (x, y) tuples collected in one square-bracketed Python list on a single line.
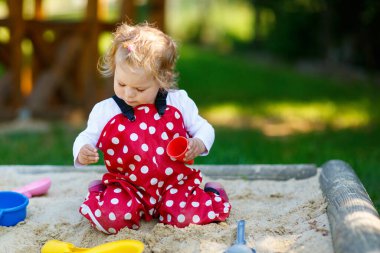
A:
[(177, 149)]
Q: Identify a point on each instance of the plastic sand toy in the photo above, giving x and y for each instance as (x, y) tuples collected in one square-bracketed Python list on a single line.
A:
[(35, 188), (177, 149), (239, 246), (12, 208), (13, 204), (130, 246)]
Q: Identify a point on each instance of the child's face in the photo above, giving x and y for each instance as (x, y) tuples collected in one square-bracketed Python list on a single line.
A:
[(134, 85)]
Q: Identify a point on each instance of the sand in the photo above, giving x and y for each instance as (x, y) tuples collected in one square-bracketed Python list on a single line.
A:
[(281, 216)]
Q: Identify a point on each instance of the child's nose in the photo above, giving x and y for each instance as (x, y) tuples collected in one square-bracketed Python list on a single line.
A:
[(130, 92)]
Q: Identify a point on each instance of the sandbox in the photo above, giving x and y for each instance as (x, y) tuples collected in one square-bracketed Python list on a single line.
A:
[(287, 208)]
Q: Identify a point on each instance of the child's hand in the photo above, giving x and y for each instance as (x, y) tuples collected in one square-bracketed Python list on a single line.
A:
[(196, 147), (88, 154)]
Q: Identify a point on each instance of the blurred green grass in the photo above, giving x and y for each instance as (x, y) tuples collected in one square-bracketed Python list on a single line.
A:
[(243, 98)]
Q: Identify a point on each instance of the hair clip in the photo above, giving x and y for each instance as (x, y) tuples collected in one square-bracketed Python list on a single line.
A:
[(129, 47)]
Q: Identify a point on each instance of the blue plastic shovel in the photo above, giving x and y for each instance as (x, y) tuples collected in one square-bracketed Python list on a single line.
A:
[(239, 246)]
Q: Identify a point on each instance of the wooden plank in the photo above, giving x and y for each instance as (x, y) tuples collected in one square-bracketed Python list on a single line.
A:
[(233, 171), (4, 22), (38, 10), (4, 54), (90, 57), (17, 29), (157, 13), (260, 172), (127, 11), (55, 77), (354, 221), (88, 84)]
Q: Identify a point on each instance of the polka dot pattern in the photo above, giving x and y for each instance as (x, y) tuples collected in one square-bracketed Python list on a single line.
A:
[(144, 147), (121, 128), (168, 171), (153, 181), (152, 130), (211, 215), (160, 150), (164, 136), (170, 125), (181, 218), (134, 154), (134, 137), (144, 169), (114, 201), (156, 116), (128, 216), (112, 216), (143, 126)]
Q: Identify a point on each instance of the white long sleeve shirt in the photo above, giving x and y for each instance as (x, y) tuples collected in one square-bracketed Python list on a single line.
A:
[(195, 125)]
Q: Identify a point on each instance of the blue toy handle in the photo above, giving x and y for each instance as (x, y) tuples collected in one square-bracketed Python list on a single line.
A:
[(240, 232)]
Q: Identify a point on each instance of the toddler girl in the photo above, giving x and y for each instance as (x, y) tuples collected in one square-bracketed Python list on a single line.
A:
[(133, 128)]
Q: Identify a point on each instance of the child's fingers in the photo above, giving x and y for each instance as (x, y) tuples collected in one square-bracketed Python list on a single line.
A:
[(92, 159), (88, 149), (192, 151), (189, 156), (87, 159), (196, 147), (88, 154)]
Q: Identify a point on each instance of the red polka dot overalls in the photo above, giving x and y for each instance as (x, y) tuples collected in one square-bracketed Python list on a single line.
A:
[(143, 182)]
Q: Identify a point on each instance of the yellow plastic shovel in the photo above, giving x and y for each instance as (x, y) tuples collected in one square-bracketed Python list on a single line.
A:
[(130, 246)]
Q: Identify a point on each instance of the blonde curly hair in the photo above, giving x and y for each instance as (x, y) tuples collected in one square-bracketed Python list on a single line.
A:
[(144, 46)]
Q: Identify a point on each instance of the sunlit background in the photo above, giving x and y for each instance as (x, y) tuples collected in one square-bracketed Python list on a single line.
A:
[(289, 81)]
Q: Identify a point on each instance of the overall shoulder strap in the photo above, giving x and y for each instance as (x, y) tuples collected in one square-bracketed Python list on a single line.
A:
[(160, 101), (127, 110)]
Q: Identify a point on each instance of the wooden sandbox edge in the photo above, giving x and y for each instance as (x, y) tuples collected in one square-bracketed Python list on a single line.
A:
[(230, 171), (354, 221)]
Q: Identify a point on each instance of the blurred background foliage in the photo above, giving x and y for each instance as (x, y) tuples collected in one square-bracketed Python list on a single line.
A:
[(286, 81), (333, 30), (293, 29)]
